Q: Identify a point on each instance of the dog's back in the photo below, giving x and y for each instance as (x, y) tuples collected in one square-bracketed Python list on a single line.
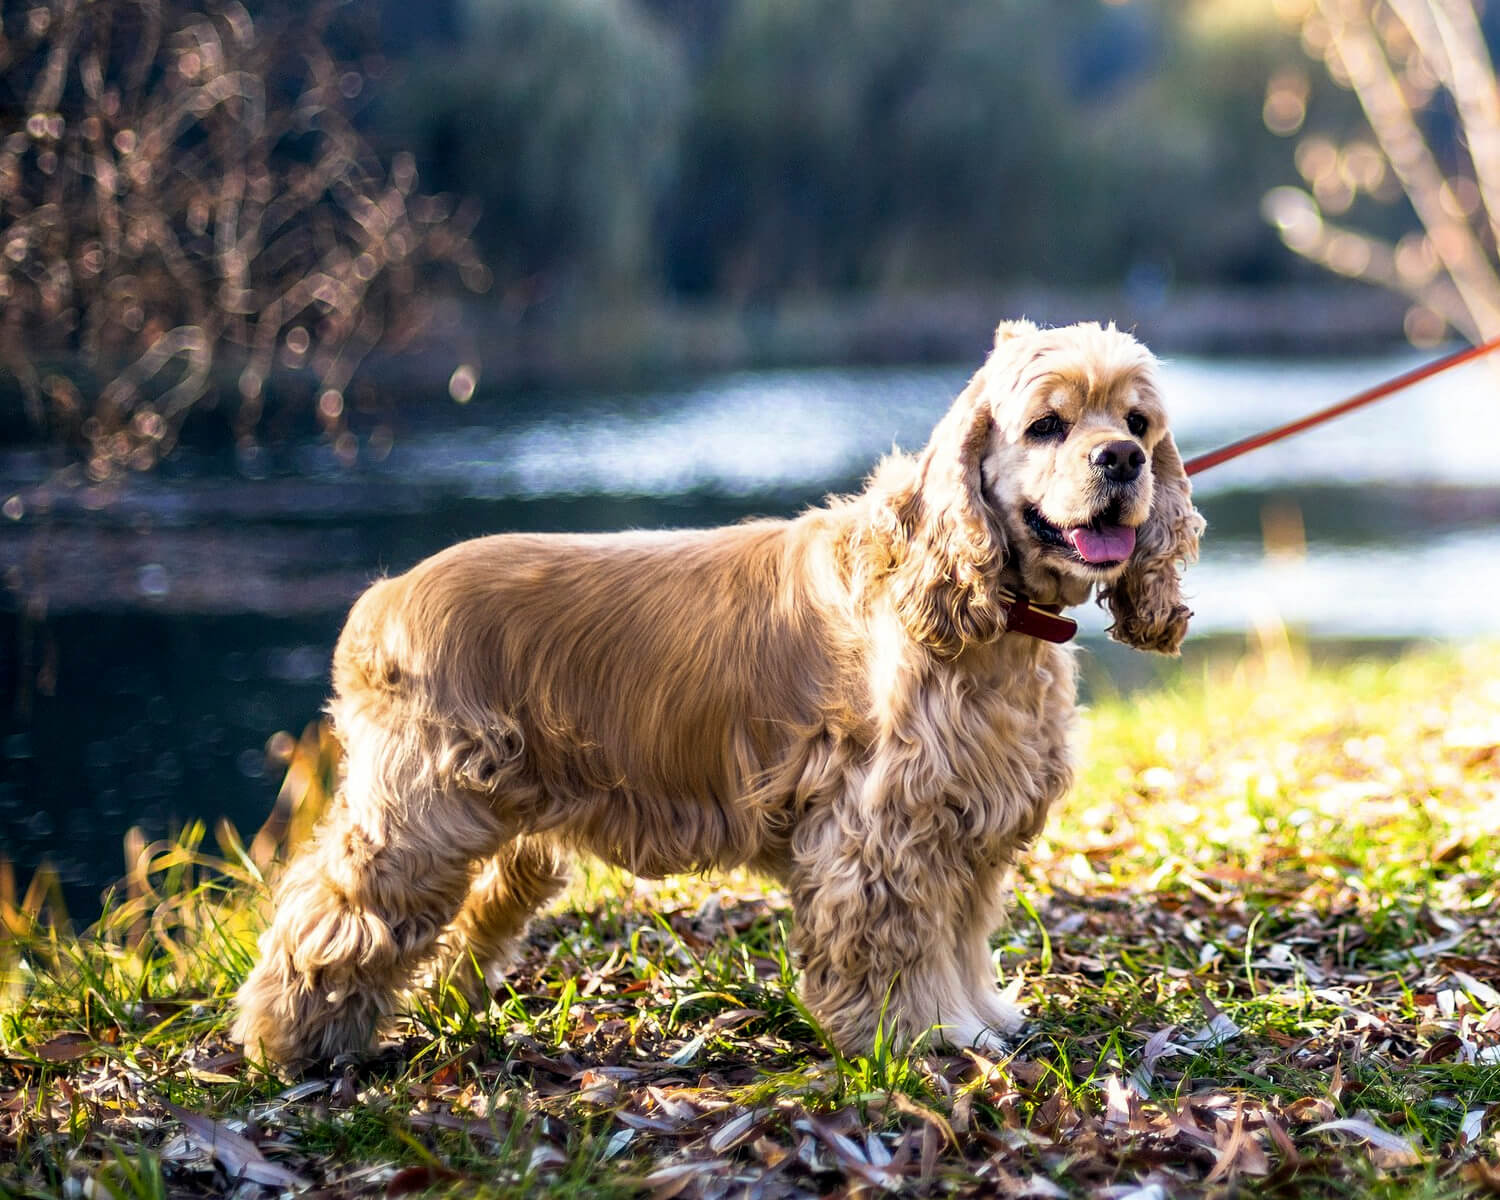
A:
[(526, 652)]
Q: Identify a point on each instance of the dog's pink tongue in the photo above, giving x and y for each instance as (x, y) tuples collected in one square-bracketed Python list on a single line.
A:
[(1107, 544)]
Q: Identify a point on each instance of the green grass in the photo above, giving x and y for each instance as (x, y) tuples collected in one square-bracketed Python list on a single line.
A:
[(1298, 860)]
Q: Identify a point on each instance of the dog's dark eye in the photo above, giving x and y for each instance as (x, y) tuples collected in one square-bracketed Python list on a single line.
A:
[(1050, 426), (1137, 424)]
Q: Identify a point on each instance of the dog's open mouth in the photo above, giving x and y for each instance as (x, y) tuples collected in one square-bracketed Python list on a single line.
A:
[(1101, 543)]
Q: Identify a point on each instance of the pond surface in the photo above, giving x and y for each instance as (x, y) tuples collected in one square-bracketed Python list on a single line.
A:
[(161, 630)]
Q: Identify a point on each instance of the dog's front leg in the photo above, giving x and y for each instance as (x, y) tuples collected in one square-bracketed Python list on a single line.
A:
[(892, 929)]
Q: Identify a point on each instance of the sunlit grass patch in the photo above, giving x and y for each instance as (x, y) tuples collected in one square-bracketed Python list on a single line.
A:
[(1257, 946)]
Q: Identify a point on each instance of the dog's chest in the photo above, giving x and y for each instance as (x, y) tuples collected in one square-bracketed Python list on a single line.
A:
[(1028, 682), (1002, 734)]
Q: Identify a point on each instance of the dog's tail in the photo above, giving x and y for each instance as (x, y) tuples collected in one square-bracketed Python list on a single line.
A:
[(418, 722), (370, 660)]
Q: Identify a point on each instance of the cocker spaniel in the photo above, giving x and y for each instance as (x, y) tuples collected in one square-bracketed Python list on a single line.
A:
[(868, 703)]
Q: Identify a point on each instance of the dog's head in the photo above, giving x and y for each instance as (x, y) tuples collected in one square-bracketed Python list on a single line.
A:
[(1054, 468)]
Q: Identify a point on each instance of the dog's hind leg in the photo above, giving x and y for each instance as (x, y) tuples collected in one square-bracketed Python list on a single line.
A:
[(521, 877), (361, 908)]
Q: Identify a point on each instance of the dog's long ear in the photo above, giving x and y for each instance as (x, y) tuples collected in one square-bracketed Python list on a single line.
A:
[(1147, 599), (950, 544)]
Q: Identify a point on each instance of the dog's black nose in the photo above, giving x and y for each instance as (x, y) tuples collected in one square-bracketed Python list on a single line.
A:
[(1118, 462)]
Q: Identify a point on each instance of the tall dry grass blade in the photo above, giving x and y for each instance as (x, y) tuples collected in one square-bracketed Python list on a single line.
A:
[(10, 908), (304, 794), (238, 862), (316, 799), (137, 884), (44, 894)]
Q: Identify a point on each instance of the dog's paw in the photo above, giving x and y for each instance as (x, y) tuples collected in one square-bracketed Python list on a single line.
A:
[(990, 1042), (975, 1034), (998, 1011)]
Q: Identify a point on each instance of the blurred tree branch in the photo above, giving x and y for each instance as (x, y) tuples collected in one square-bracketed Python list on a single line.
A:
[(1425, 81), (185, 203)]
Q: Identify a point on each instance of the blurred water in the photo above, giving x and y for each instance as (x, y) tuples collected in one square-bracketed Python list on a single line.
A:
[(1389, 487), (160, 631), (753, 433)]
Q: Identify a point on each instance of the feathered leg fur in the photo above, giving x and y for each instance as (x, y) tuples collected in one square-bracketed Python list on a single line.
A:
[(507, 891), (363, 906)]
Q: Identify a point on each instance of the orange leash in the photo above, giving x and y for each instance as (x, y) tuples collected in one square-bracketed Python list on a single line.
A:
[(1379, 392)]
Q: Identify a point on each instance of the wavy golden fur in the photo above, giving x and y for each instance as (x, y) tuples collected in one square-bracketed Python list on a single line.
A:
[(832, 700)]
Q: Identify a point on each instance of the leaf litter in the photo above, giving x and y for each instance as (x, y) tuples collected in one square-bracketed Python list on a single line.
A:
[(1265, 954)]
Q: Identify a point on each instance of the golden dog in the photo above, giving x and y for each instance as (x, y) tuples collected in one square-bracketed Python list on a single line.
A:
[(843, 701)]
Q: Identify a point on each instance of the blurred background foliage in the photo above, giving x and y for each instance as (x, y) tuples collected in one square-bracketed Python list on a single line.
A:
[(756, 152), (752, 148), (209, 198), (562, 117)]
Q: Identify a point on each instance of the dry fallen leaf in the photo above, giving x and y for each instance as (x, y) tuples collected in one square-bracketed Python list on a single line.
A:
[(1393, 1149), (239, 1156), (733, 1132), (1483, 1175), (1472, 1126), (66, 1047), (1237, 1151), (1121, 1106)]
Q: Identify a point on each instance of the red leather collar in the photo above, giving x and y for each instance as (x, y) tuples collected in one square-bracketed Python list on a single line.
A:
[(1042, 621)]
